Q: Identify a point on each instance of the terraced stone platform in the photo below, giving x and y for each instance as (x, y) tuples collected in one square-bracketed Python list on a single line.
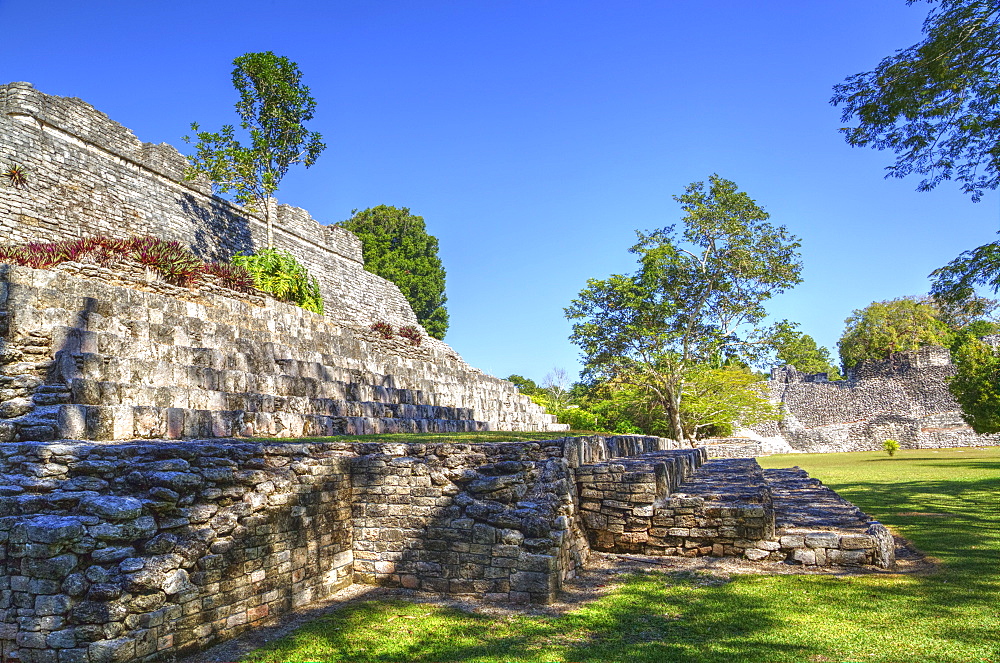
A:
[(725, 507)]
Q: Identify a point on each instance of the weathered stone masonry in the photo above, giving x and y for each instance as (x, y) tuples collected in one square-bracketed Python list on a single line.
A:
[(83, 359), (146, 550), (904, 398), (89, 175)]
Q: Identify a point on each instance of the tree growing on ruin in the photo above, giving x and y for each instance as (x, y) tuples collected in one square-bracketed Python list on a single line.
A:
[(697, 299), (274, 106), (897, 325), (801, 351), (935, 104), (397, 247)]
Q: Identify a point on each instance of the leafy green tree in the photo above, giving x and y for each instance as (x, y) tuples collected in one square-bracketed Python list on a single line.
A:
[(716, 399), (526, 386), (697, 298), (800, 350), (877, 330), (935, 104), (954, 285), (280, 274), (273, 107), (976, 385), (397, 247)]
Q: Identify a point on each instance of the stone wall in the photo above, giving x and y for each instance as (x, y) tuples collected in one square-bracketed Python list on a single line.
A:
[(84, 359), (145, 551), (139, 552), (89, 175), (904, 398)]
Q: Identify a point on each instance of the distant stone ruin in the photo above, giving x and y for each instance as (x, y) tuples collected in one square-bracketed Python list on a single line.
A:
[(904, 398)]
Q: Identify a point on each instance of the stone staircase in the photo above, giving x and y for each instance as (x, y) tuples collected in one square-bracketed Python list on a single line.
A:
[(679, 503)]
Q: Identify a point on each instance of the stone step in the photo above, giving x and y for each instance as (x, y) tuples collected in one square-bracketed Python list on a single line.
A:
[(126, 422), (816, 526)]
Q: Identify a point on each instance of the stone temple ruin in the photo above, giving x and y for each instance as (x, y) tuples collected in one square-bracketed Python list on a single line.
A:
[(904, 398), (138, 522)]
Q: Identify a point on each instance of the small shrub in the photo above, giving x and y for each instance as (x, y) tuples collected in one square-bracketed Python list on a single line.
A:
[(577, 418), (280, 274), (890, 447), (383, 329), (410, 333)]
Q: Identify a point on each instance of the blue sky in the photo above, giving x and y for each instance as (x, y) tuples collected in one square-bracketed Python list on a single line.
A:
[(535, 136)]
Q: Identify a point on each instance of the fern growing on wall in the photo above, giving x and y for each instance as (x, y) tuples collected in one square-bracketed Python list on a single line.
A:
[(280, 274)]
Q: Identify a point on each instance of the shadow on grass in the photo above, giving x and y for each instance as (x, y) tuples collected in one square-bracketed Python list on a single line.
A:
[(653, 617)]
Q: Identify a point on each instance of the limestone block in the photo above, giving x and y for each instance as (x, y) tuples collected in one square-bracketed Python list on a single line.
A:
[(822, 539)]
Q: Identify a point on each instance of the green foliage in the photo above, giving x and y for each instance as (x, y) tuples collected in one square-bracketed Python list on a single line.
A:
[(698, 298), (397, 247), (800, 350), (877, 330), (890, 447), (935, 104), (976, 385), (273, 107), (716, 399), (525, 385), (955, 284), (972, 331), (577, 418), (280, 274)]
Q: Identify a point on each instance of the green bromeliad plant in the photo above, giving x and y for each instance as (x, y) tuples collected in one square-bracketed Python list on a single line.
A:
[(280, 274)]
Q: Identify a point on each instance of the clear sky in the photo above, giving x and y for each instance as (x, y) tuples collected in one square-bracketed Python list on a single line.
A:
[(535, 136)]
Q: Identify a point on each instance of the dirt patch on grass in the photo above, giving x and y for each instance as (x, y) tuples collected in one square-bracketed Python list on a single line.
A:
[(604, 573)]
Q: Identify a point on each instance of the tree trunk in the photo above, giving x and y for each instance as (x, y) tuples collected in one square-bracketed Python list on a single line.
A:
[(674, 417), (270, 211)]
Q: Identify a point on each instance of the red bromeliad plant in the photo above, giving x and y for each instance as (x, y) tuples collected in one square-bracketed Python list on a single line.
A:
[(233, 277), (177, 264), (383, 329), (173, 261), (411, 333)]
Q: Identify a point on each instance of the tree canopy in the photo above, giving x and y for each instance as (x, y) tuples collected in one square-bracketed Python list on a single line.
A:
[(273, 107), (877, 330), (935, 104), (396, 246), (800, 350), (976, 385), (697, 298)]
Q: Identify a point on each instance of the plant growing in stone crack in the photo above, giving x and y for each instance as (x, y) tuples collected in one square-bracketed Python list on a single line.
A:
[(16, 175), (411, 333), (383, 329)]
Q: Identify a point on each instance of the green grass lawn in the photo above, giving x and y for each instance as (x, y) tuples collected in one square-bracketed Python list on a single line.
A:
[(946, 502)]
